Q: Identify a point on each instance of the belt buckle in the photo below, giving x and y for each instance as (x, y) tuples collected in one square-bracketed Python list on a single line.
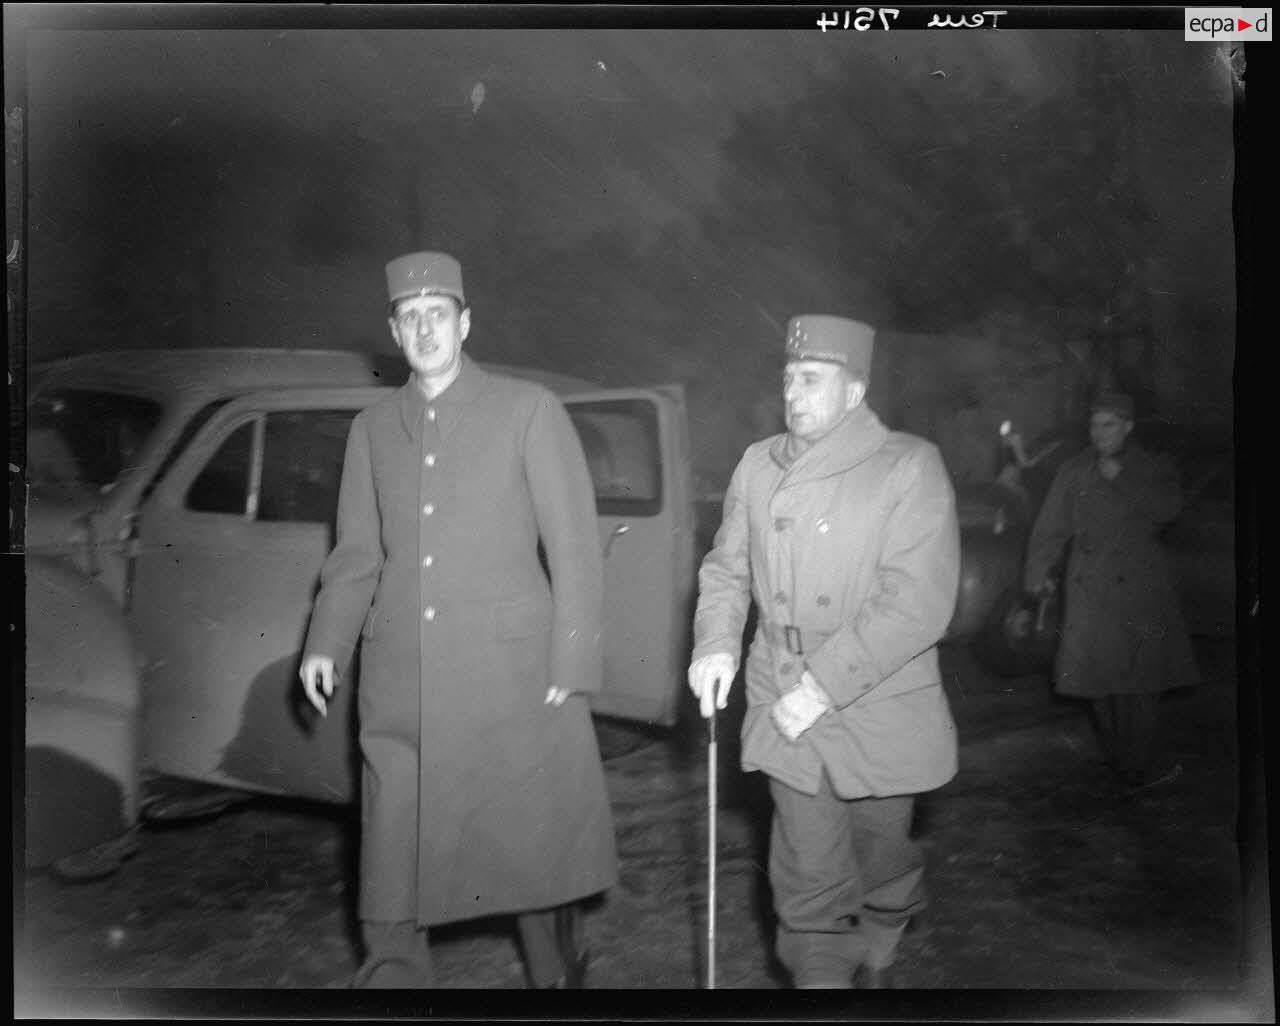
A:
[(793, 640)]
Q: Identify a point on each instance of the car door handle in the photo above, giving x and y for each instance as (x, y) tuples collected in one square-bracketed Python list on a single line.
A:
[(618, 532)]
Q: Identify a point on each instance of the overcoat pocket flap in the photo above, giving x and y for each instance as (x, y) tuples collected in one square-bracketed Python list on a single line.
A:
[(367, 630), (525, 618)]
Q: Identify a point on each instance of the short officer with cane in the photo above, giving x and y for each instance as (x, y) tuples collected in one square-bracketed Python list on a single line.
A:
[(845, 535)]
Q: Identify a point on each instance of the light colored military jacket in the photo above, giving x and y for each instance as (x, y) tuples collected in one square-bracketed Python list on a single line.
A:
[(855, 546)]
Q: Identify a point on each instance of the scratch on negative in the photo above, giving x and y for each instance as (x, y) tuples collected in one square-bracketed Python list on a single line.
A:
[(558, 170)]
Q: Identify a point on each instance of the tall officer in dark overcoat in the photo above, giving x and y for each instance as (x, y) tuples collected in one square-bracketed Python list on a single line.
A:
[(844, 534), (482, 789), (1123, 637)]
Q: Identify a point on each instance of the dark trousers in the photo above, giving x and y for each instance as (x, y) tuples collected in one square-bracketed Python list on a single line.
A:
[(1127, 726), (846, 878), (398, 954)]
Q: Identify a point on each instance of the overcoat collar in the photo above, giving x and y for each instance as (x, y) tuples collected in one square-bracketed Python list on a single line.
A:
[(449, 404), (846, 445)]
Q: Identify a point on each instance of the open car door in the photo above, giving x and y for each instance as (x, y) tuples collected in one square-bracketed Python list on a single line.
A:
[(637, 448)]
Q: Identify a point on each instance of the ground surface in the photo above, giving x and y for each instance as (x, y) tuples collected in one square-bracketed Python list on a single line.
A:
[(1046, 881)]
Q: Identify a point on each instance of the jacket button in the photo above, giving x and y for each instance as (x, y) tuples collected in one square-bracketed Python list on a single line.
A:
[(824, 526), (780, 598), (430, 461), (429, 613), (780, 524), (427, 561), (786, 668), (824, 600), (428, 509), (431, 414)]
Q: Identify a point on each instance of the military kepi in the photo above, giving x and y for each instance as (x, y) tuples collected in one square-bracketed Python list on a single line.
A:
[(424, 274), (1113, 402), (834, 339)]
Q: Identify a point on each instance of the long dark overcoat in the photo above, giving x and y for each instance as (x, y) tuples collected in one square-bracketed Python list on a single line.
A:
[(1122, 629), (855, 544), (478, 798)]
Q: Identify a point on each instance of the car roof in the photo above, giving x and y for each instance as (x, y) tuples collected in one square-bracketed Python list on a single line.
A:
[(234, 370)]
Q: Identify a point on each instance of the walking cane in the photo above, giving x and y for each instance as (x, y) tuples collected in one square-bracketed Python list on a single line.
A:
[(711, 849)]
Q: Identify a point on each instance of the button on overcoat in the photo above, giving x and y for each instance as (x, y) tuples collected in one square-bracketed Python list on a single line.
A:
[(856, 545), (477, 797), (1122, 628)]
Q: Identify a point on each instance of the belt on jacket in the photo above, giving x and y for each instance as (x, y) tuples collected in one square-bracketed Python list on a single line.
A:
[(792, 638)]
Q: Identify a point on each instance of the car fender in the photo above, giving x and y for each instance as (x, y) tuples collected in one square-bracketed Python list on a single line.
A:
[(82, 691)]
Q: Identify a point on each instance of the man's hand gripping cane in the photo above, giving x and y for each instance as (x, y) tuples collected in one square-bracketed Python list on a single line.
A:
[(710, 678)]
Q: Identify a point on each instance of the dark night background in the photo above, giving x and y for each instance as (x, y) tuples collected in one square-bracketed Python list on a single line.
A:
[(1023, 214)]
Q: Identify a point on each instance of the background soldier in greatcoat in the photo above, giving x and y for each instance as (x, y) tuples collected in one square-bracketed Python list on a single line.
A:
[(1123, 637), (482, 789)]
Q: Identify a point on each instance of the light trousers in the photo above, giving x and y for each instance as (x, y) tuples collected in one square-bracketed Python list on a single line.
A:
[(846, 879)]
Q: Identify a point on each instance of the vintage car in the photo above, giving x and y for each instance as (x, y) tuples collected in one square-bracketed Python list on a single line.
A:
[(181, 504), (81, 765)]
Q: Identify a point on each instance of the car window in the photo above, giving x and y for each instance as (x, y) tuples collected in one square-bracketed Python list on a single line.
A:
[(302, 465), (189, 431), (223, 485), (620, 440), (85, 437), (301, 469)]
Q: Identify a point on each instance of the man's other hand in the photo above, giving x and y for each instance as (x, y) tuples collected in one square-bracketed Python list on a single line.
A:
[(798, 709)]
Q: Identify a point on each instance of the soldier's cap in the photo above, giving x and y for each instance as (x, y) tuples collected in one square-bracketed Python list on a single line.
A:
[(833, 339), (424, 274), (1113, 402)]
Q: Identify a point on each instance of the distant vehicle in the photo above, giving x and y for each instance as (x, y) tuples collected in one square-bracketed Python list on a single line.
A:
[(1012, 633), (181, 505)]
